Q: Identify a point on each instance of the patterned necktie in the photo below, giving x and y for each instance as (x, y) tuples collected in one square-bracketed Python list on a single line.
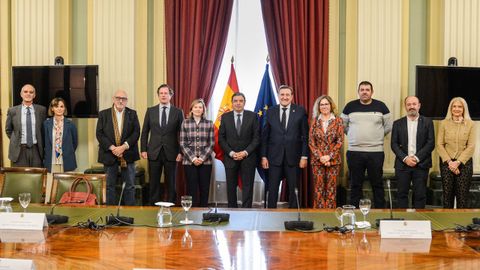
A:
[(164, 117), (239, 124), (29, 128), (284, 118)]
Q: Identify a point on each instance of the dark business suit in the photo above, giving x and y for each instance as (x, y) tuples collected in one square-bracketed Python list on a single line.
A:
[(162, 147), (13, 128), (106, 138), (405, 174), (69, 144), (248, 140), (284, 148)]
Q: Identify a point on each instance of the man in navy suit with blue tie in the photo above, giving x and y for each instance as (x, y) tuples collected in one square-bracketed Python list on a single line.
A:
[(284, 145)]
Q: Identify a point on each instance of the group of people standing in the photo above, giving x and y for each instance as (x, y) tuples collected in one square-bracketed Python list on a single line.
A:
[(283, 147), (366, 122), (36, 141)]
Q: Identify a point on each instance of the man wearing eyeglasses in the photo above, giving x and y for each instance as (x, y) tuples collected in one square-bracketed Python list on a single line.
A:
[(159, 144), (118, 131)]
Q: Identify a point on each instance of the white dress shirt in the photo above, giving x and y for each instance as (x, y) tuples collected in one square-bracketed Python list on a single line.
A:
[(167, 112), (412, 136), (24, 124), (287, 113)]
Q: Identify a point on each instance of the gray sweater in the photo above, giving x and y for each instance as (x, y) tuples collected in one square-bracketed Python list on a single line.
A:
[(366, 125)]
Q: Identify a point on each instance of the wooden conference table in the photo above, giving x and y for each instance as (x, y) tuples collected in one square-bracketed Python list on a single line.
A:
[(253, 239)]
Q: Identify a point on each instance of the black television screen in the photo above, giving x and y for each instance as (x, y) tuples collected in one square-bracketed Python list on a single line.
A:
[(437, 85), (77, 85)]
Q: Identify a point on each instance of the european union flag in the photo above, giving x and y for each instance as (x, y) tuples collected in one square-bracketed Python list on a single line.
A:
[(265, 100)]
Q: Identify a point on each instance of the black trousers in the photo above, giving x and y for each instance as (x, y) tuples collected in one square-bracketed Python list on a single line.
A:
[(155, 168), (456, 186), (372, 162), (417, 178), (198, 183), (29, 157), (275, 175), (247, 172)]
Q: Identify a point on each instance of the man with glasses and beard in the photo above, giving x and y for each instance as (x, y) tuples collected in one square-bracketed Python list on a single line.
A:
[(118, 131)]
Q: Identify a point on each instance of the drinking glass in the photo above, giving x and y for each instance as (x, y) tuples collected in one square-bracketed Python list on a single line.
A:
[(186, 204), (24, 199), (164, 215), (5, 205), (365, 205)]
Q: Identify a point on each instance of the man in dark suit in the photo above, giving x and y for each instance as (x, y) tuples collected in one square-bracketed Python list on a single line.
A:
[(412, 142), (159, 144), (284, 145), (239, 139), (118, 131), (24, 129)]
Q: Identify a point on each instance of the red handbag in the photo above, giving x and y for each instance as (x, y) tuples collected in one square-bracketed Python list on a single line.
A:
[(74, 197)]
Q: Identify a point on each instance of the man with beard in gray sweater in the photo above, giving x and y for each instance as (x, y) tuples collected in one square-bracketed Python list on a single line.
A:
[(366, 121)]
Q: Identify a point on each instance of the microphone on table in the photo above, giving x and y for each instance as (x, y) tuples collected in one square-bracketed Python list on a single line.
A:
[(216, 217), (298, 224), (119, 220), (56, 219), (377, 222)]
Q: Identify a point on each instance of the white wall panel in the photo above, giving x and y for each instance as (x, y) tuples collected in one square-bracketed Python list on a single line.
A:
[(462, 35), (33, 32), (113, 45), (379, 55), (462, 40)]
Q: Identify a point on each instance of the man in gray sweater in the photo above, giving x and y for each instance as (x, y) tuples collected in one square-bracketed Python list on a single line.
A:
[(366, 121)]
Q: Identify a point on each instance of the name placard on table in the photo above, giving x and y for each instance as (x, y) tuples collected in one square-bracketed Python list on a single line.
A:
[(23, 221), (410, 229), (16, 264)]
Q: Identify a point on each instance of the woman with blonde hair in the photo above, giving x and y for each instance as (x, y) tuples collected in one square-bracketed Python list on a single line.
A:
[(455, 146), (325, 140), (196, 142)]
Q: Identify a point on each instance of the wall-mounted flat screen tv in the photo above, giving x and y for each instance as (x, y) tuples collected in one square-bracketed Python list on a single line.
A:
[(437, 85), (76, 84)]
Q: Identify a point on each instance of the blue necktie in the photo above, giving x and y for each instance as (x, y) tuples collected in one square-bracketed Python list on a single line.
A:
[(29, 128)]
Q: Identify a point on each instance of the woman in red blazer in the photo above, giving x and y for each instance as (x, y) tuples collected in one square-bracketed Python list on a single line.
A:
[(325, 141)]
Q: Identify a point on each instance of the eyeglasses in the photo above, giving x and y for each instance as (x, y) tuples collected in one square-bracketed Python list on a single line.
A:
[(122, 99), (324, 104)]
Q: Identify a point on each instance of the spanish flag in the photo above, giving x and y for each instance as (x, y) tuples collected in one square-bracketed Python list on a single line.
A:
[(225, 106)]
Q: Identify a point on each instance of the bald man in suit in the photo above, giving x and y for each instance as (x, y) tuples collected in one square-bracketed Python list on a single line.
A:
[(24, 129)]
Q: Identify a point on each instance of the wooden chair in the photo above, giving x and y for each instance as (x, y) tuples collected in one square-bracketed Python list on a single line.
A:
[(15, 180), (63, 181)]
